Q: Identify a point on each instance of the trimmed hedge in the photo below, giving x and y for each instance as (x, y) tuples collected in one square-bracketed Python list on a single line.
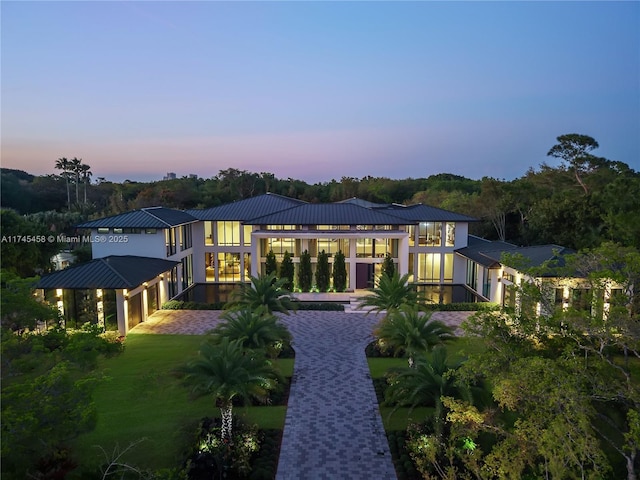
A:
[(182, 305), (462, 307), (326, 306)]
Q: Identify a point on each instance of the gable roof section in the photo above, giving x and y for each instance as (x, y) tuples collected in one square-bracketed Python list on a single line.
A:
[(328, 214), (247, 208), (113, 272), (150, 217)]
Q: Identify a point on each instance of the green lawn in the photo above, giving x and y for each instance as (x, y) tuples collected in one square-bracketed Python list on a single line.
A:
[(140, 397)]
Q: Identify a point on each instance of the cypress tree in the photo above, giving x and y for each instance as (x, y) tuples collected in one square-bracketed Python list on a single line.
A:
[(339, 273), (322, 272), (286, 271), (304, 272), (388, 267), (271, 265)]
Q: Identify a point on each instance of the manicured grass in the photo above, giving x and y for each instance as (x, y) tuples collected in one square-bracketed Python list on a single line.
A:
[(402, 417), (139, 396), (378, 366)]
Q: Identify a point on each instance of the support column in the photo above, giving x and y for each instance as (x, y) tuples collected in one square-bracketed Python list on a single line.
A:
[(403, 255), (122, 313), (352, 264)]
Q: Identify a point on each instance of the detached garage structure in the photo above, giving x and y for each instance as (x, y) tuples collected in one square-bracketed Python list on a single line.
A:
[(121, 291)]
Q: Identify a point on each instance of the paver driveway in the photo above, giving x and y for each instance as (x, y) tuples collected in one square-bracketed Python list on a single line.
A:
[(333, 429)]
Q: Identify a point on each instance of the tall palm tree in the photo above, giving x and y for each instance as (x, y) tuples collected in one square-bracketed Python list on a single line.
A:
[(254, 329), (411, 331), (64, 165), (425, 385), (86, 177), (227, 371), (75, 166), (391, 292), (263, 291)]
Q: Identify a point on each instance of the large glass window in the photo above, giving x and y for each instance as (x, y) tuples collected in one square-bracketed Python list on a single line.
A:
[(228, 233), (209, 262), (364, 248), (412, 235), (186, 237), (383, 246), (331, 246), (187, 271), (450, 234), (208, 233), (228, 267), (472, 274), (430, 234), (246, 239), (279, 246), (448, 268), (170, 241), (429, 267)]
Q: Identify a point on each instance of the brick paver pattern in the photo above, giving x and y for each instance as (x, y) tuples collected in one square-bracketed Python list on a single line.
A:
[(333, 428)]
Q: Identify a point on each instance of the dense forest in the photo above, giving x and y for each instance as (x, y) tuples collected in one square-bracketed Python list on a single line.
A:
[(577, 200)]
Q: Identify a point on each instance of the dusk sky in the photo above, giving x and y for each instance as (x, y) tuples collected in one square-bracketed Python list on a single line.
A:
[(316, 90)]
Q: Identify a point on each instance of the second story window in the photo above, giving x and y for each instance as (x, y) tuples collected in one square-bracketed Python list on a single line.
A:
[(187, 241), (228, 233), (170, 241)]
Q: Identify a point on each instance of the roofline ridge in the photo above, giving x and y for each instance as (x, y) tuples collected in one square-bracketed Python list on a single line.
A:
[(156, 217), (106, 263)]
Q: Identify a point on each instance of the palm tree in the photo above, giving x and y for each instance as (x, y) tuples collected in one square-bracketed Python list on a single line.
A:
[(75, 166), (432, 378), (64, 165), (411, 331), (391, 293), (264, 290), (254, 329), (86, 177), (227, 372)]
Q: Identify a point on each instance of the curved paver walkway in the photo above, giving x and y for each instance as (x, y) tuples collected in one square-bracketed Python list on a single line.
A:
[(333, 429)]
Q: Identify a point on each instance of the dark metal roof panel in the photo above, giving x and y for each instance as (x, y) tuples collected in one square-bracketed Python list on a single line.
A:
[(364, 203), (425, 213), (489, 254), (328, 214), (109, 272), (247, 208), (152, 217)]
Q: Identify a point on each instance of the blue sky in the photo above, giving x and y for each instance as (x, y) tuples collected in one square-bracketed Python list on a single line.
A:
[(316, 90)]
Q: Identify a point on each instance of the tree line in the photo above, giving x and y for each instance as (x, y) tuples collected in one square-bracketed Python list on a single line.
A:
[(579, 201)]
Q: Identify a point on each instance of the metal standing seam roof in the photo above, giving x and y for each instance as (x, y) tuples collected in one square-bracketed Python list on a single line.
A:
[(328, 214), (425, 213), (247, 208), (113, 272), (150, 217), (490, 254)]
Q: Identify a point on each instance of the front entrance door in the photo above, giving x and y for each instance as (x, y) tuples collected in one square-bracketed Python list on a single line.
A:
[(364, 275)]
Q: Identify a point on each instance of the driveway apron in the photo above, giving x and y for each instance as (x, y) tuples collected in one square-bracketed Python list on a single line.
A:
[(333, 428)]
